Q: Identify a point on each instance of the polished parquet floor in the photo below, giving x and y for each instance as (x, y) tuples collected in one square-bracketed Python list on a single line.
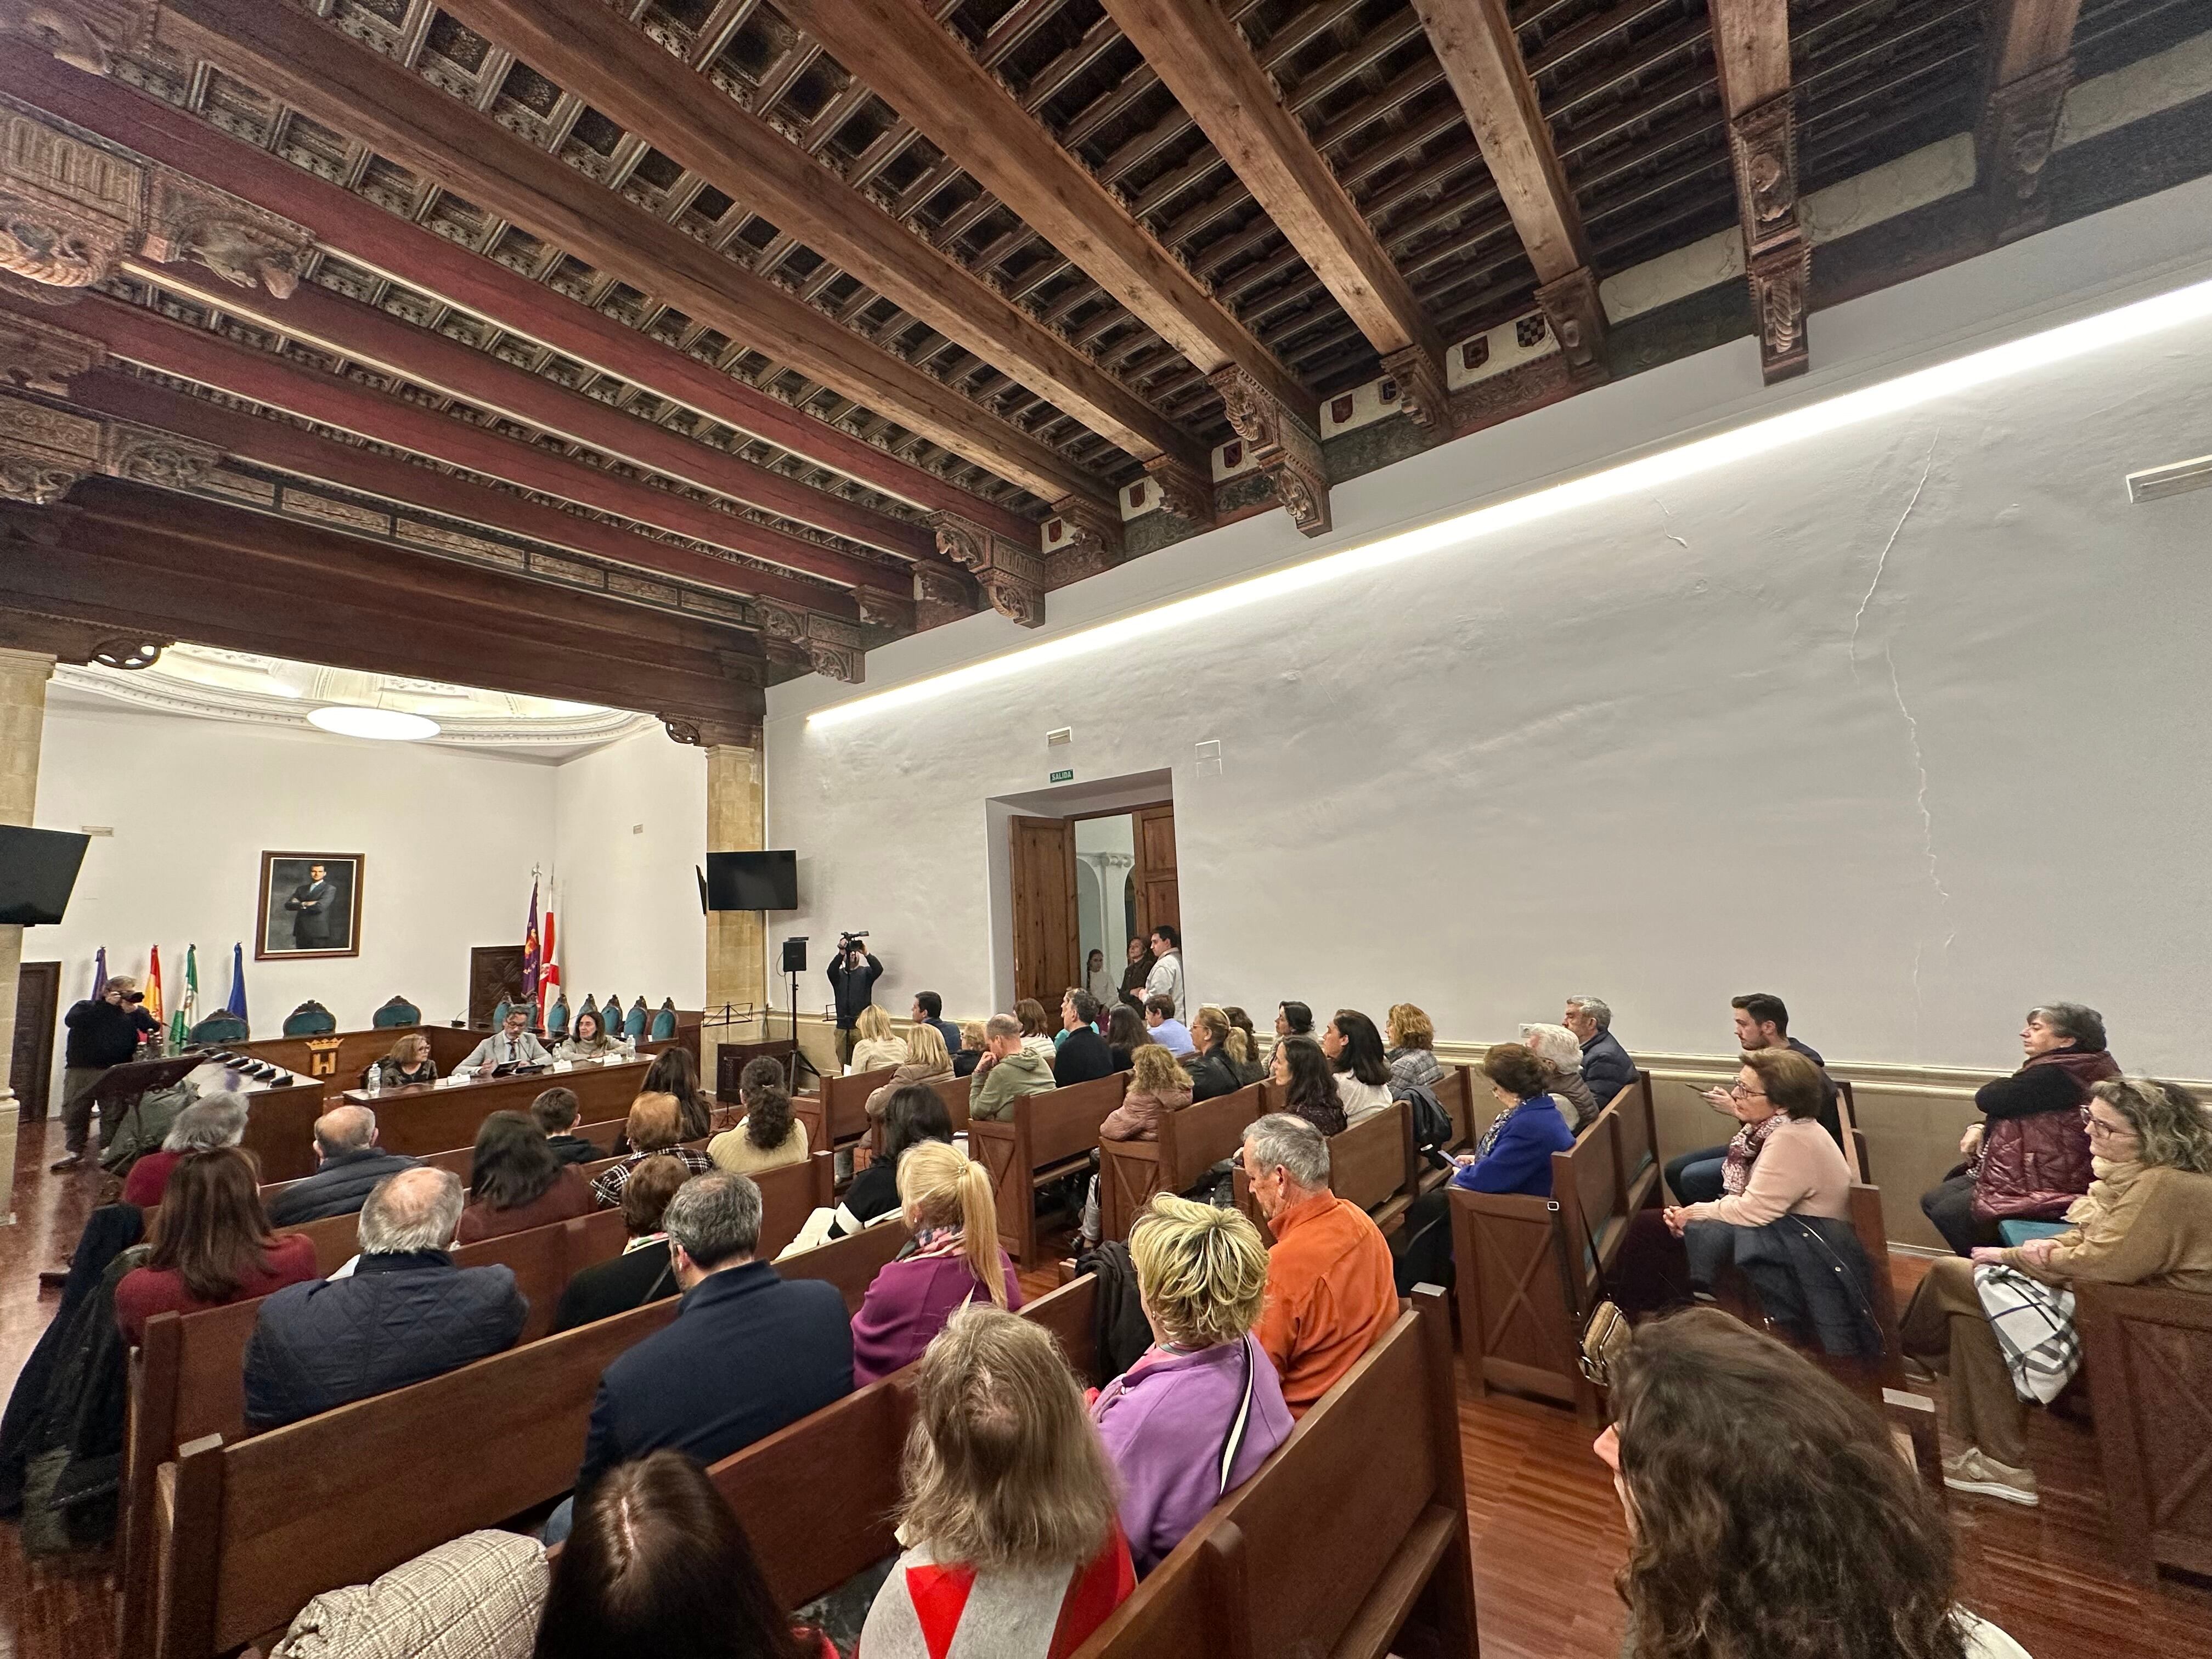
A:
[(1547, 1531)]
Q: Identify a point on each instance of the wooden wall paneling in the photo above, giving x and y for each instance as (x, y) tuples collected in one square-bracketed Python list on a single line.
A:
[(495, 975), (1159, 895), (1048, 943)]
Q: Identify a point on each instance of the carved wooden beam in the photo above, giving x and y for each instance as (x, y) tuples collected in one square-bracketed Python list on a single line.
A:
[(1185, 491), (86, 34), (1285, 449), (1081, 538), (810, 642), (2031, 71), (386, 242), (1197, 52), (43, 356), (353, 89), (1482, 57), (45, 451), (941, 597), (1011, 577), (926, 73), (142, 564), (140, 336), (73, 206), (630, 78), (1750, 51)]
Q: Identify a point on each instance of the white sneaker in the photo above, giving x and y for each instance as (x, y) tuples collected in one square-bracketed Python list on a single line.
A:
[(1973, 1470)]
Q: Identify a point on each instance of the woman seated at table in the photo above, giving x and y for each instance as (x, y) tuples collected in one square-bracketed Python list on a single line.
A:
[(408, 1062), (673, 1072), (517, 1181), (956, 1258), (1514, 1154), (2146, 1220), (766, 1137), (652, 1130), (1195, 1417), (589, 1039), (212, 1244)]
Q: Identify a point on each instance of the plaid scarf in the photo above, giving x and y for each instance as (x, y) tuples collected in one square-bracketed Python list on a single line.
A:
[(1743, 1151)]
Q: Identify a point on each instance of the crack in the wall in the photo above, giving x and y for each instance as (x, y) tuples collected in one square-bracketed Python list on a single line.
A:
[(1881, 561), (1668, 533)]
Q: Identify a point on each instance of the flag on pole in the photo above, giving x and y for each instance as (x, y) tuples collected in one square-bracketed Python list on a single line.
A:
[(237, 1003), (153, 985), (188, 1006), (98, 972), (530, 948), (549, 975)]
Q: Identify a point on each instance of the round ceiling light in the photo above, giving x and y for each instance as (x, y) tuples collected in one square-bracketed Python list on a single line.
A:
[(351, 720)]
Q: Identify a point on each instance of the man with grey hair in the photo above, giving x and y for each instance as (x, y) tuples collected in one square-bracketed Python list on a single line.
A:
[(748, 1351), (1606, 1064), (1014, 1071), (352, 1164), (1330, 1293), (404, 1314), (208, 1124)]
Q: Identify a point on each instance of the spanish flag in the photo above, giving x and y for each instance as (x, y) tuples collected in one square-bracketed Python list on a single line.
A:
[(153, 985)]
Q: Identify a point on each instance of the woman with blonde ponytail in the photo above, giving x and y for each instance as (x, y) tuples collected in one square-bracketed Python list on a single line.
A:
[(955, 1259)]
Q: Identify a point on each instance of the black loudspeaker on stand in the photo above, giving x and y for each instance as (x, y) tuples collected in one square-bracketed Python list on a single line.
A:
[(794, 964)]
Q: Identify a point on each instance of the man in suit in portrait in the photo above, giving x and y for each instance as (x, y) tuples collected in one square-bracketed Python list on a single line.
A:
[(313, 905)]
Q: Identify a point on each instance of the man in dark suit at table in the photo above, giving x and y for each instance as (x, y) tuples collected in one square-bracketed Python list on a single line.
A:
[(313, 905), (351, 1165)]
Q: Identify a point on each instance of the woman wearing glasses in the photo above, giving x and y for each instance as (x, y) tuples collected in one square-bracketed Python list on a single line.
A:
[(2146, 1220)]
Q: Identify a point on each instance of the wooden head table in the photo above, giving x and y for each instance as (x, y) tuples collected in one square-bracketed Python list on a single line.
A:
[(430, 1117)]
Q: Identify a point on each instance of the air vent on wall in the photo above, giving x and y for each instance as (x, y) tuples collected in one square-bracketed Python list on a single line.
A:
[(2174, 480), (1061, 738)]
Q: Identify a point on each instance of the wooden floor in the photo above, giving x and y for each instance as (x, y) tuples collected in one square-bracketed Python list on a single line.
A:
[(1547, 1531)]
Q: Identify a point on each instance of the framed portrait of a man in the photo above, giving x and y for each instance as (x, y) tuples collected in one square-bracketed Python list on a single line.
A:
[(310, 905)]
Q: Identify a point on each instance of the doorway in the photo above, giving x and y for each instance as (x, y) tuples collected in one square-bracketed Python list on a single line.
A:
[(1090, 876), (31, 1063)]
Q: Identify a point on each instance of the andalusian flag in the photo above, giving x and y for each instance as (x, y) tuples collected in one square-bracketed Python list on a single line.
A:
[(530, 958), (188, 1006), (153, 985)]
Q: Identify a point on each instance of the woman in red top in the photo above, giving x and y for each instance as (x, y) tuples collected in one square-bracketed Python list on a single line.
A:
[(518, 1181), (212, 1121), (211, 1244)]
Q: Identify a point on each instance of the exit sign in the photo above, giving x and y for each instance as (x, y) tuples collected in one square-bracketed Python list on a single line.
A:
[(1067, 776)]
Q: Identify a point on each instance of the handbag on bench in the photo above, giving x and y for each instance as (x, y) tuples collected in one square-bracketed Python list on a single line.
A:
[(1605, 1332)]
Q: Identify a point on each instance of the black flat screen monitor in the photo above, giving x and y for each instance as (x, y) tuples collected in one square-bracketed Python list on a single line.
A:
[(752, 881), (37, 868)]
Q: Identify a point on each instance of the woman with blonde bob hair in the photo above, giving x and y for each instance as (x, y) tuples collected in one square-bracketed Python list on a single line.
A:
[(876, 1047), (1009, 1509), (1195, 1417), (407, 1062), (955, 1259), (927, 1063)]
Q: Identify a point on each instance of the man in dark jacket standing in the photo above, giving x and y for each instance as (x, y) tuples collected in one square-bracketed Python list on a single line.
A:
[(1606, 1064), (749, 1352), (404, 1314), (853, 972), (1083, 1053), (352, 1164), (103, 1034)]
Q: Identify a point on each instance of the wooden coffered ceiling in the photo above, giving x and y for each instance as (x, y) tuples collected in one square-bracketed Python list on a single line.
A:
[(833, 318)]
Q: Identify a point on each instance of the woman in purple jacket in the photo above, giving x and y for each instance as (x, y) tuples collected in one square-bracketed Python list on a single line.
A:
[(1195, 1418), (955, 1259)]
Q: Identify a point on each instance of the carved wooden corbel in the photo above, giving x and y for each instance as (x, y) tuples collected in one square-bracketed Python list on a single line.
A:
[(1184, 490), (879, 608), (1576, 318), (941, 597), (1422, 393), (1778, 256), (1284, 448), (1011, 576), (41, 357), (1083, 538), (86, 34), (44, 451), (2018, 130)]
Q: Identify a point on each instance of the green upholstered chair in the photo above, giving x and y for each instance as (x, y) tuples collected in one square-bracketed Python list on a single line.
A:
[(398, 1011), (634, 1026), (556, 1022), (310, 1018), (218, 1029), (664, 1020), (498, 1014)]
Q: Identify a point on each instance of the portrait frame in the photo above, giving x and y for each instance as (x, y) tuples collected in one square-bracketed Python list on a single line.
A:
[(287, 876)]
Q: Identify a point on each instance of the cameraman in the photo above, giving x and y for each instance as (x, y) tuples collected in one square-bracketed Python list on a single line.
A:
[(852, 976), (103, 1033)]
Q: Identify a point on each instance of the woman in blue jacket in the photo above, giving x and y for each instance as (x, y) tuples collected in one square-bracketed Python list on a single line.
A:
[(1515, 1152)]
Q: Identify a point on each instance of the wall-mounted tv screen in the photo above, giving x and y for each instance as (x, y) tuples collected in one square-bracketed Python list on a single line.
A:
[(752, 881)]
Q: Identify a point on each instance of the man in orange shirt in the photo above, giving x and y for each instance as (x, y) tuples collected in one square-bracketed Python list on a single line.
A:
[(1330, 1293)]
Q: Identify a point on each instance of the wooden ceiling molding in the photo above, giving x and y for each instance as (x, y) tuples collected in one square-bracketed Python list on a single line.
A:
[(384, 242), (2031, 69), (1474, 41), (45, 453), (121, 558), (1751, 52), (628, 76)]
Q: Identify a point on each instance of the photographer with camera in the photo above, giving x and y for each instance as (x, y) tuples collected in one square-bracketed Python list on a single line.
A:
[(104, 1032), (852, 976)]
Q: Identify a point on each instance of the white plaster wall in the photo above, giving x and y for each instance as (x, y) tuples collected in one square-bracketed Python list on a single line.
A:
[(631, 821), (449, 837), (1905, 723)]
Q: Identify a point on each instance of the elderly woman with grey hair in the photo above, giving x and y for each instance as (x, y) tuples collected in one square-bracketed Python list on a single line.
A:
[(2027, 1159), (207, 1125), (1560, 1053)]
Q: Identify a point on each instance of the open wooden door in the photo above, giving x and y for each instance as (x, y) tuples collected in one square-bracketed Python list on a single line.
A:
[(1158, 899), (1047, 948)]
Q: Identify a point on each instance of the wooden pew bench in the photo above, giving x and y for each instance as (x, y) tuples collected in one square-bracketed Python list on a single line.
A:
[(1051, 1134), (1192, 1141), (2147, 1354), (461, 1159), (838, 1115)]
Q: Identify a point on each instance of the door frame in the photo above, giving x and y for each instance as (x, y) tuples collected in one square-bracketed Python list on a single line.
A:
[(31, 1099)]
